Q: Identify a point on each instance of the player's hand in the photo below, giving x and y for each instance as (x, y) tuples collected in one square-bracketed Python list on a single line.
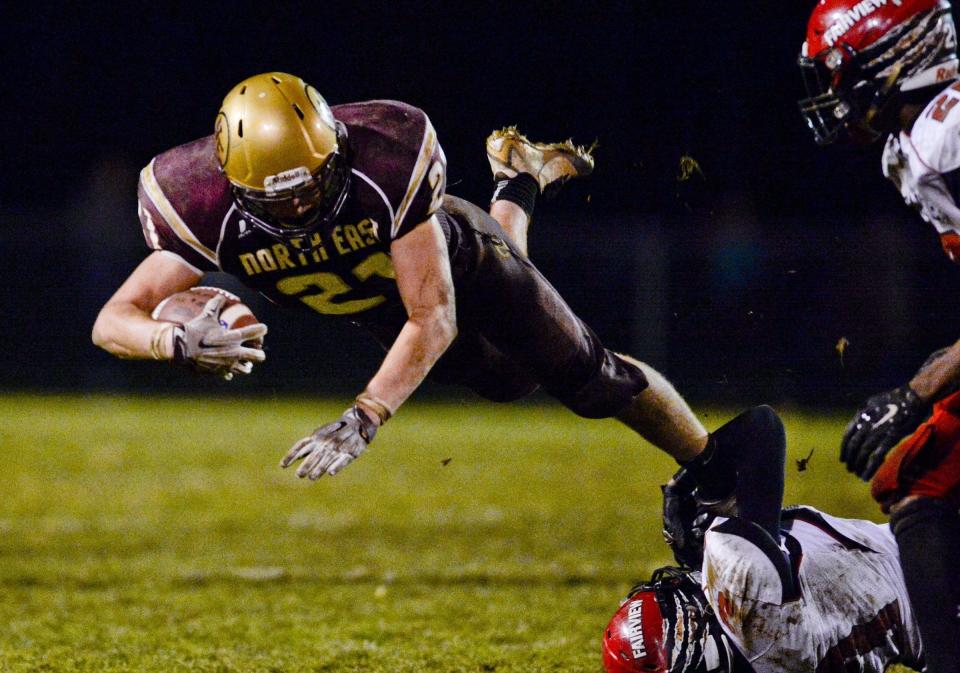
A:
[(879, 426), (206, 345), (679, 512), (334, 446), (687, 516)]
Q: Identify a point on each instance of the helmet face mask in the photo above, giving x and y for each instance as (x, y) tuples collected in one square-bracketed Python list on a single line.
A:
[(855, 67), (297, 203), (829, 109), (283, 153)]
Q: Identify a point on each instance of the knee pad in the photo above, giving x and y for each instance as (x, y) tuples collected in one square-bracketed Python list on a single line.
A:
[(608, 392), (759, 425)]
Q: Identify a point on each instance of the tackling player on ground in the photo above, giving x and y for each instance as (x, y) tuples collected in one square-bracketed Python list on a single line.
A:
[(343, 211), (875, 68), (762, 589)]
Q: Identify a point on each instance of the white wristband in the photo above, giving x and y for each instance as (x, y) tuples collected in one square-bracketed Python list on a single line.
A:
[(161, 342)]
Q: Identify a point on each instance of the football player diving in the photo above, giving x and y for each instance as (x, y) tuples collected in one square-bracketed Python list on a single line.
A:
[(763, 589), (342, 211), (875, 69)]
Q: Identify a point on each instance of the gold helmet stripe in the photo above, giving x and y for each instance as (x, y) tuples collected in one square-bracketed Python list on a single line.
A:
[(170, 214), (427, 146)]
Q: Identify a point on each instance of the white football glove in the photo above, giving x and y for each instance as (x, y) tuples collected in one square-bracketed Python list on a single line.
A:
[(334, 446), (206, 345)]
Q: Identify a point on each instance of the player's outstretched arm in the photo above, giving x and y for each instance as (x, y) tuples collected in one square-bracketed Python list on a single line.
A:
[(426, 288), (124, 327)]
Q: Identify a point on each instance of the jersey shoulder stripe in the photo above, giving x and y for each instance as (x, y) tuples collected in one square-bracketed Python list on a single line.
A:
[(223, 228), (760, 539), (817, 520), (427, 147), (386, 202), (160, 201)]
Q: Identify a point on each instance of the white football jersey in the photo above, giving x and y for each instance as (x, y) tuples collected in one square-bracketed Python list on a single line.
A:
[(830, 599), (923, 163)]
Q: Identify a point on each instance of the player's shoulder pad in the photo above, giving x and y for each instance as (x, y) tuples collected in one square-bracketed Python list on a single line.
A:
[(935, 135), (851, 534), (390, 124), (743, 558), (394, 148), (183, 200), (189, 177)]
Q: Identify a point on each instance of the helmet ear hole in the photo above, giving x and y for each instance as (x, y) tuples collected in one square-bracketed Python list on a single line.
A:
[(240, 128), (296, 108)]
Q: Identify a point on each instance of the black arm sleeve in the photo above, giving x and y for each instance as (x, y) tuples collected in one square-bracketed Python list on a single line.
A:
[(755, 445)]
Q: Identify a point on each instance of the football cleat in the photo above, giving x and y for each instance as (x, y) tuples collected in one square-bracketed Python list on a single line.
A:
[(510, 152)]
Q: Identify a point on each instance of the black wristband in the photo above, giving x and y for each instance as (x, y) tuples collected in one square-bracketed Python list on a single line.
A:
[(521, 190)]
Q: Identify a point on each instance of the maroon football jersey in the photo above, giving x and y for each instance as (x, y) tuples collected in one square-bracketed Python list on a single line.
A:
[(397, 181)]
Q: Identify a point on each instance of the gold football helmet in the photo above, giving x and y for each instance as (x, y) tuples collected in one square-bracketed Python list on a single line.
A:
[(282, 151)]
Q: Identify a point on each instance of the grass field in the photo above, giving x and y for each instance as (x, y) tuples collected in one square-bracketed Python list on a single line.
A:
[(160, 535)]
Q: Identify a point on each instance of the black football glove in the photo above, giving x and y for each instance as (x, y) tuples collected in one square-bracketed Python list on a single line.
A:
[(879, 426), (334, 446), (679, 512), (687, 516)]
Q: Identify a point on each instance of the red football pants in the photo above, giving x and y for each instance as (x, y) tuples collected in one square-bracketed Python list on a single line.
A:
[(927, 463)]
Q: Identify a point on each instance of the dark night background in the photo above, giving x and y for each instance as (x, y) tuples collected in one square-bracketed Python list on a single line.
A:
[(738, 283)]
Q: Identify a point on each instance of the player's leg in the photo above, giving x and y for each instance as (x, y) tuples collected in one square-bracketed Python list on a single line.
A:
[(522, 170), (514, 219), (919, 483), (928, 534), (662, 417), (518, 311)]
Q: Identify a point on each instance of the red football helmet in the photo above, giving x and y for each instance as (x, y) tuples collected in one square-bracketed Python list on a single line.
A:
[(860, 53), (666, 626)]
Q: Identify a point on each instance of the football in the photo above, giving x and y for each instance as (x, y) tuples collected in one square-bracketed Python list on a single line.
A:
[(184, 306)]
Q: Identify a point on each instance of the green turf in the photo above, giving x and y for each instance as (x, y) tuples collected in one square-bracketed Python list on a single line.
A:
[(160, 535)]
